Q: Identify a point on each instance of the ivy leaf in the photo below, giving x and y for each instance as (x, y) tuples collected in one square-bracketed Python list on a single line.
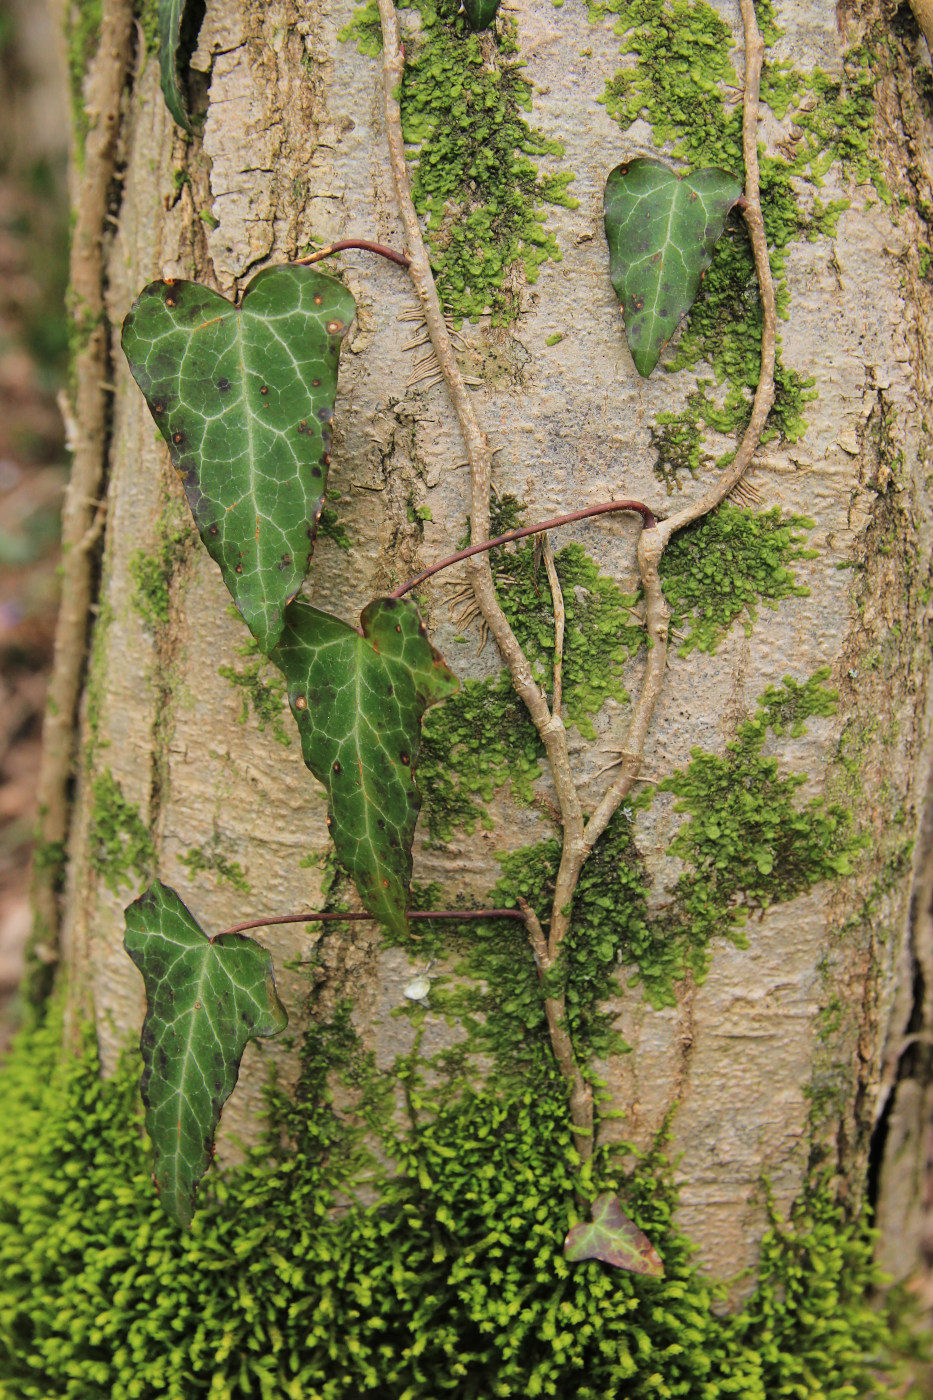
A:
[(171, 14), (205, 999), (358, 698), (613, 1238), (661, 232), (244, 397), (480, 13)]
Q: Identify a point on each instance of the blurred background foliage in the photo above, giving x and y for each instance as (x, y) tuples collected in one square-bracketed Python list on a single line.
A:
[(34, 125)]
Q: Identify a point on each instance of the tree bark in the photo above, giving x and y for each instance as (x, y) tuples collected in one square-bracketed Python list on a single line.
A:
[(831, 1002)]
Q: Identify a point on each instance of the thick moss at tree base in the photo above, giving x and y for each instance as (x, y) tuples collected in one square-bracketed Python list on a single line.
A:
[(454, 1284)]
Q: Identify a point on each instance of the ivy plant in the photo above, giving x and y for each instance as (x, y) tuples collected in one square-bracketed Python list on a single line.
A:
[(244, 396)]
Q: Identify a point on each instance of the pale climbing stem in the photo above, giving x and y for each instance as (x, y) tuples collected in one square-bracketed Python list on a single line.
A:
[(88, 413), (751, 213), (579, 838), (560, 619), (553, 524), (550, 727), (651, 545)]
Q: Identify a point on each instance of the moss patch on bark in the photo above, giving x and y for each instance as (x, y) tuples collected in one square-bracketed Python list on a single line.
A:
[(453, 1284)]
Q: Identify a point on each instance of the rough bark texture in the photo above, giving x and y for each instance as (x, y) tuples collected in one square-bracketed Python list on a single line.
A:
[(293, 148)]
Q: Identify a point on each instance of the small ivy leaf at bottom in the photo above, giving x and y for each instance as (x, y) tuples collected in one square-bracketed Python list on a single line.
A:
[(611, 1237), (205, 999)]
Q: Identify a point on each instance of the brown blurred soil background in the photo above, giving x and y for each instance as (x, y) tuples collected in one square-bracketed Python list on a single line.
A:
[(33, 461)]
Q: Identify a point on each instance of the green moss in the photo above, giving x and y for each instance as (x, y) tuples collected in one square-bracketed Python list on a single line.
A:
[(502, 1004), (82, 31), (152, 570), (601, 632), (331, 527), (463, 102), (453, 1284), (725, 566), (120, 846), (147, 13), (481, 739), (365, 30), (262, 690), (210, 857), (676, 76), (748, 841)]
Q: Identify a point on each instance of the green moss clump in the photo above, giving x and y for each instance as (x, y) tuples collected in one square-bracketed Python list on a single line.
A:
[(610, 925), (601, 632), (452, 1284), (147, 13), (119, 843), (262, 689), (152, 571), (681, 51), (676, 77), (82, 31), (463, 108), (479, 740), (747, 840), (365, 30), (210, 857), (726, 565)]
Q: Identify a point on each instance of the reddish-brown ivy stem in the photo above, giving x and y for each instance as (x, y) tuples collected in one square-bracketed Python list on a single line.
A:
[(553, 524), (365, 244), (357, 917)]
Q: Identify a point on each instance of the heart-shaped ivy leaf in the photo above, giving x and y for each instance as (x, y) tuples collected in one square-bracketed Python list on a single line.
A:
[(358, 698), (205, 1000), (244, 397), (613, 1238), (661, 232), (171, 14)]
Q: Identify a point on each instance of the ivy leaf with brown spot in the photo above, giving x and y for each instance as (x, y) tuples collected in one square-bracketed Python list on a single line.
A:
[(244, 397), (661, 232), (205, 998), (358, 698), (613, 1238)]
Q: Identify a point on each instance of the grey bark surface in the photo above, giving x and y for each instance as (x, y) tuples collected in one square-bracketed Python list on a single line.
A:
[(293, 147)]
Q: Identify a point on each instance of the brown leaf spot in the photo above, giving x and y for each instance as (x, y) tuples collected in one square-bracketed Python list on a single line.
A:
[(406, 759), (300, 702), (315, 383), (264, 390), (337, 767), (178, 439), (318, 299), (335, 327)]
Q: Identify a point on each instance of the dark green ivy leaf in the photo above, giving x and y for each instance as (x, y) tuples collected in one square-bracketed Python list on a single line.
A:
[(358, 698), (171, 14), (480, 13), (661, 232), (613, 1238), (244, 397), (205, 1000)]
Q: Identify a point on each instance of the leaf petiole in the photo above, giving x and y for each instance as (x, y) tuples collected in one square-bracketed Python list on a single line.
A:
[(555, 523)]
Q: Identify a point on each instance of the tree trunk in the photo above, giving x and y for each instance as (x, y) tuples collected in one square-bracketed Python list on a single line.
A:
[(791, 1041)]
